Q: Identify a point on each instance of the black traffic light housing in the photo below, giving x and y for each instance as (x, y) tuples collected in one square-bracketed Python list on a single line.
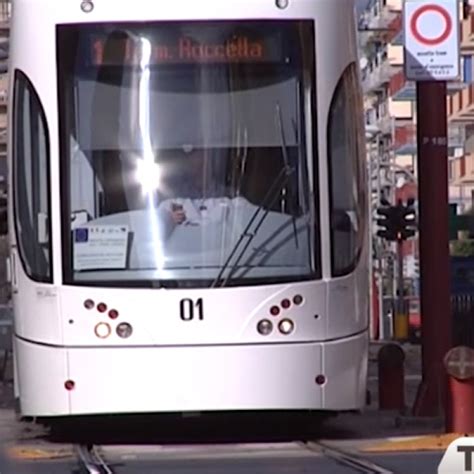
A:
[(407, 220), (388, 222), (398, 222), (466, 9)]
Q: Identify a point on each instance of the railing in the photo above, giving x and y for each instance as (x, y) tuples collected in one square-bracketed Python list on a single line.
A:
[(378, 16), (382, 124), (405, 136), (456, 137), (385, 124), (377, 77)]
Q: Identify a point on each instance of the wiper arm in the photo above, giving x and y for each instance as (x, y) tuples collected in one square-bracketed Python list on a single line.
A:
[(268, 201), (270, 198), (286, 160)]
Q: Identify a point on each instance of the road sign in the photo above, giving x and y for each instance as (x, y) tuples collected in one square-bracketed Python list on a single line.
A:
[(459, 362), (432, 42)]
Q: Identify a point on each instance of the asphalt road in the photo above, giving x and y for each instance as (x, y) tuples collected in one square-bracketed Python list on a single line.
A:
[(274, 458)]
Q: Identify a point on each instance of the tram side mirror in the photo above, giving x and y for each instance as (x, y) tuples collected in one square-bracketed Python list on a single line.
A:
[(341, 221)]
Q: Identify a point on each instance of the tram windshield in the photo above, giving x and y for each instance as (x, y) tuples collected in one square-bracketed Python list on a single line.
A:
[(187, 153)]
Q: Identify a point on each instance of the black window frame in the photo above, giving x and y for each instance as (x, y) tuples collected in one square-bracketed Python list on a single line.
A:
[(359, 174), (65, 124), (21, 84)]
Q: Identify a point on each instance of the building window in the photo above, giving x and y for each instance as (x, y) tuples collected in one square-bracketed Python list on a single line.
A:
[(31, 181)]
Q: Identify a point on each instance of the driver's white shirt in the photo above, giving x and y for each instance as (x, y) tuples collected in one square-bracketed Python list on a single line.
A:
[(202, 210)]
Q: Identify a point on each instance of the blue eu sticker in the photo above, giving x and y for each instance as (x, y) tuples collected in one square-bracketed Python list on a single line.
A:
[(81, 235)]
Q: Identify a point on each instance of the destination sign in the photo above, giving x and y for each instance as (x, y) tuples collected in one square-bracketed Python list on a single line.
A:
[(127, 51)]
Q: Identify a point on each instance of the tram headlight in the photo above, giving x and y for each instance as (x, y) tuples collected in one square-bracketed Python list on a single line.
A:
[(124, 330), (87, 6), (286, 326), (282, 4), (102, 330), (264, 327)]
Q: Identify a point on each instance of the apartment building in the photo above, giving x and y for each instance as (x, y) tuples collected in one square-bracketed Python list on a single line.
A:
[(390, 99), (390, 108), (461, 117)]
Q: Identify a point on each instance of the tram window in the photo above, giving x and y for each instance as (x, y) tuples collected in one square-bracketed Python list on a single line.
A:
[(31, 182), (347, 170)]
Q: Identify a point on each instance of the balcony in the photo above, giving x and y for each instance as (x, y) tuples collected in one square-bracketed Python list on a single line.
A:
[(467, 35), (398, 39), (401, 89), (378, 16), (377, 78), (461, 106), (461, 170), (405, 140), (381, 126), (395, 29), (385, 124), (456, 137)]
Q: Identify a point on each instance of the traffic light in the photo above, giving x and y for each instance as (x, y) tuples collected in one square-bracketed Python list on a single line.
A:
[(397, 222), (388, 221), (407, 220)]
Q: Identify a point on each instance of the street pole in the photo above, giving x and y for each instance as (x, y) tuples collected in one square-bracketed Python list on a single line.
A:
[(382, 316), (434, 244), (400, 331)]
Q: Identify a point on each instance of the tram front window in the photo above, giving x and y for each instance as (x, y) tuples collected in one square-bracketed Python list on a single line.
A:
[(185, 158)]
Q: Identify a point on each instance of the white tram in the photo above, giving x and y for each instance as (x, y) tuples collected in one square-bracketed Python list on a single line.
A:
[(188, 211)]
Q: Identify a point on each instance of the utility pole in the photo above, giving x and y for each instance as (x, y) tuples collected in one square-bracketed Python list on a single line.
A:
[(434, 245), (432, 59), (400, 332)]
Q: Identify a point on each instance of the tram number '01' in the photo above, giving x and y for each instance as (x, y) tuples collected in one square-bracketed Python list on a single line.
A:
[(190, 309)]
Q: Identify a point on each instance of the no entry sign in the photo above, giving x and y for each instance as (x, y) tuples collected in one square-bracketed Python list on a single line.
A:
[(431, 30)]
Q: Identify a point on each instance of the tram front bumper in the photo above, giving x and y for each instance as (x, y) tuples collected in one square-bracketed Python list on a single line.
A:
[(197, 378)]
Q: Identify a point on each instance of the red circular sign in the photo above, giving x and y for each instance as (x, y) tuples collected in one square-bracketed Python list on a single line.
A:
[(448, 27)]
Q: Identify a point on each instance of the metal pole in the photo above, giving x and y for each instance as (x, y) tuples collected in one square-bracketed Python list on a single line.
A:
[(373, 333), (434, 244), (379, 249), (400, 329), (400, 276)]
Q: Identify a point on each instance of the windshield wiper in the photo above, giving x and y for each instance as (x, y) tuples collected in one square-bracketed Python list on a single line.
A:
[(268, 201), (286, 160)]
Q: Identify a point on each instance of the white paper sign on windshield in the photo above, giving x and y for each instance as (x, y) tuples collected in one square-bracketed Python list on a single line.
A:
[(100, 247)]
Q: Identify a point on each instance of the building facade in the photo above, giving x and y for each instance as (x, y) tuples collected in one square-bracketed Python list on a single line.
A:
[(390, 112)]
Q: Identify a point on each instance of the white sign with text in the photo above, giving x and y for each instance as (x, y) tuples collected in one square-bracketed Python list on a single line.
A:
[(100, 247), (432, 41)]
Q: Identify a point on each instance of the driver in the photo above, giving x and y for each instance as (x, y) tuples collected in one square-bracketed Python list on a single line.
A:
[(201, 196)]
